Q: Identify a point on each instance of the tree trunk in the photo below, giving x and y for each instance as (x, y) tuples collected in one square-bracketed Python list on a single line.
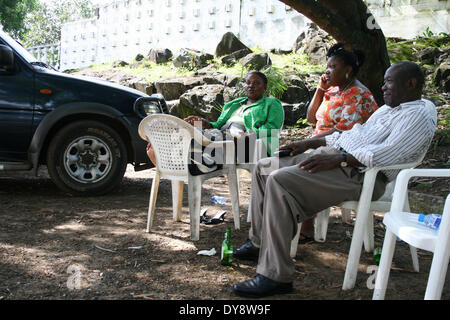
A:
[(350, 22)]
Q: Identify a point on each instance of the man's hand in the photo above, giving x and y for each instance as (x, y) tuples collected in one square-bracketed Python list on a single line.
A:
[(321, 162), (301, 146)]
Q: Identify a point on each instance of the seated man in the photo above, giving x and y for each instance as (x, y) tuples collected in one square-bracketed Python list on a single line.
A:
[(306, 183)]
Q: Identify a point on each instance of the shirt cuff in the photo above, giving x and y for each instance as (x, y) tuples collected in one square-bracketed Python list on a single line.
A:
[(332, 138), (364, 156)]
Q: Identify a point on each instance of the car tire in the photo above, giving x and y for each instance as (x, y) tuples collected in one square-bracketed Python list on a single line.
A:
[(87, 158)]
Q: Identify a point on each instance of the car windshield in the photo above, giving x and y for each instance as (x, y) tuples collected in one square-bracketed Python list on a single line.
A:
[(17, 47)]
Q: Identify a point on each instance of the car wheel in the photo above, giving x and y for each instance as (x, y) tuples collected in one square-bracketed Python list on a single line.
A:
[(86, 158)]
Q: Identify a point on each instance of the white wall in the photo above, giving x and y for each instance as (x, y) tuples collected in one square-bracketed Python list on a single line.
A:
[(125, 28), (409, 18)]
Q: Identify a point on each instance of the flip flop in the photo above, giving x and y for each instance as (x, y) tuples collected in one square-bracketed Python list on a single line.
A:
[(305, 239)]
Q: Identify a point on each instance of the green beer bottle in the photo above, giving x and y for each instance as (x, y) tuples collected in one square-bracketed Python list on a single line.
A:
[(377, 254), (226, 258)]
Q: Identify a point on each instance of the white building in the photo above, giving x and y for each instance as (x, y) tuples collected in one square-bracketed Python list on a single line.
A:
[(125, 28)]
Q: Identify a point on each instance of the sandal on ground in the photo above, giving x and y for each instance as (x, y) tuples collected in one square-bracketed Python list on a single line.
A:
[(305, 239), (218, 218)]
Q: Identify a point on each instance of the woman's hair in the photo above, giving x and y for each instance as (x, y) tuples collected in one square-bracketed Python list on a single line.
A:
[(259, 74), (353, 58)]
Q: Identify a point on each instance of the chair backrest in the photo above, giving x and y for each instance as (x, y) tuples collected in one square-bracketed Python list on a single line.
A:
[(389, 191), (171, 139)]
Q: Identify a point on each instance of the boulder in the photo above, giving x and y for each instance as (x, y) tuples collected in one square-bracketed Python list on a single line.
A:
[(256, 61), (192, 59), (119, 63), (231, 59), (232, 80), (171, 89), (315, 43), (294, 112), (428, 55), (139, 85), (294, 94), (159, 55), (206, 101), (139, 57), (229, 44), (231, 93), (192, 82), (441, 76)]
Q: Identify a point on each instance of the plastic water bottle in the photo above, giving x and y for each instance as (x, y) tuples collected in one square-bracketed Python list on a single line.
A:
[(226, 258), (432, 220), (219, 200)]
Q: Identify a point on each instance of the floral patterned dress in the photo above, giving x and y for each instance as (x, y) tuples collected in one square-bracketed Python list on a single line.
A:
[(341, 110)]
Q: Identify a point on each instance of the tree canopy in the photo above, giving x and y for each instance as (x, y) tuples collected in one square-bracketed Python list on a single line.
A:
[(12, 15), (43, 25)]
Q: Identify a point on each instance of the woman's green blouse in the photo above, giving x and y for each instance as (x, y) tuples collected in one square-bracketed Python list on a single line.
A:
[(265, 117)]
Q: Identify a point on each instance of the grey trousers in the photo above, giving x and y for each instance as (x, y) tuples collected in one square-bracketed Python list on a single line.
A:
[(283, 195)]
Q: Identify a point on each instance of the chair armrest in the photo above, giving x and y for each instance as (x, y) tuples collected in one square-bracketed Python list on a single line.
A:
[(403, 177), (396, 166)]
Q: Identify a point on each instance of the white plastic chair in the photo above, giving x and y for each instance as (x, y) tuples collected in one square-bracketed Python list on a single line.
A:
[(171, 139), (381, 205), (363, 229), (405, 225), (363, 225)]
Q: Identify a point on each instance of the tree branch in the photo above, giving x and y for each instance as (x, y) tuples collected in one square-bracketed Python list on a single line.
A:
[(330, 22)]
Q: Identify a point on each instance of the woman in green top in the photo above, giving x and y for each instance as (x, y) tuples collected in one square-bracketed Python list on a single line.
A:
[(255, 111)]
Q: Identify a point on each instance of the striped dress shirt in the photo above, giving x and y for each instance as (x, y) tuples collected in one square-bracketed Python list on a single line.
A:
[(390, 136)]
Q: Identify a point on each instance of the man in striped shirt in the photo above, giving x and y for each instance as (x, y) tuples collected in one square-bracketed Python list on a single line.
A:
[(306, 183)]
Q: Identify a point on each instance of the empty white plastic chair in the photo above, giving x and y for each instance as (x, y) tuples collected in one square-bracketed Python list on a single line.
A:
[(171, 139), (405, 225)]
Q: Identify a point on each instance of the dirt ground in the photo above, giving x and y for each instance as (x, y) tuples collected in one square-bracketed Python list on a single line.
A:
[(54, 246)]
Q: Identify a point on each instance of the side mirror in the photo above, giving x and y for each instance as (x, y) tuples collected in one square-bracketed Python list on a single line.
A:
[(6, 59)]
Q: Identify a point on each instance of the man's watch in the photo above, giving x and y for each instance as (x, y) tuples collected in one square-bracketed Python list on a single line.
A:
[(344, 160)]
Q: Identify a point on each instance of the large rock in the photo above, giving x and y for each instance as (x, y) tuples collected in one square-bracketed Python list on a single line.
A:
[(231, 59), (159, 55), (206, 101), (295, 94), (441, 77), (229, 44), (428, 55), (294, 112), (171, 89), (315, 43), (192, 59), (256, 61), (143, 86)]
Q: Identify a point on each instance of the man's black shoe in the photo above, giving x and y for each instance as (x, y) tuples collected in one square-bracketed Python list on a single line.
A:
[(261, 286), (247, 252)]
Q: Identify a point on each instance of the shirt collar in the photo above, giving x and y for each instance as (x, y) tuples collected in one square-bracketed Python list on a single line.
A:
[(406, 105)]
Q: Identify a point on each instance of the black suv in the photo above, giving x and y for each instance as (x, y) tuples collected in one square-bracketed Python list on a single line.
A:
[(83, 129)]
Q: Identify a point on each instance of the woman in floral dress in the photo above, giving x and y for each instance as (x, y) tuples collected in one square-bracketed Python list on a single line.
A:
[(339, 102)]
